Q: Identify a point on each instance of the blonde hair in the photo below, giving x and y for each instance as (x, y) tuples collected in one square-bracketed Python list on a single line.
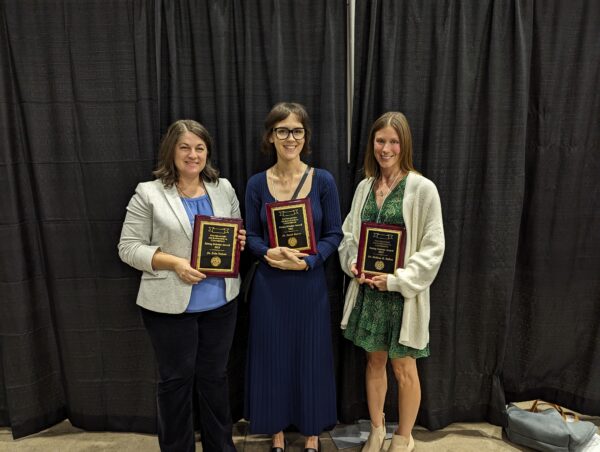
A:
[(399, 123)]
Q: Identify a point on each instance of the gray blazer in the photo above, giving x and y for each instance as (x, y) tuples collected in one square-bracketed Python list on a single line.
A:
[(156, 219)]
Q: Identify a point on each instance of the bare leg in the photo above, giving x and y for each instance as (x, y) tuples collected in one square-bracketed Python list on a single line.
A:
[(312, 442), (278, 440), (376, 382), (409, 394)]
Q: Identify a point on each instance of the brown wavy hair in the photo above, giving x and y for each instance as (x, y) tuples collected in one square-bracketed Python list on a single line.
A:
[(399, 123), (278, 113), (166, 170)]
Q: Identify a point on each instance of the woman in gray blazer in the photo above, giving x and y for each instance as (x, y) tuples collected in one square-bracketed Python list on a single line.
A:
[(190, 318)]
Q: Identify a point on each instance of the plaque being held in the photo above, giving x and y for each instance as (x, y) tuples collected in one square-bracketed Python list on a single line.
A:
[(290, 224), (215, 247), (380, 249)]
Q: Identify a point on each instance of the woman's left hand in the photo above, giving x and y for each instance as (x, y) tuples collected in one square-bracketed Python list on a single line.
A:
[(379, 282), (242, 239)]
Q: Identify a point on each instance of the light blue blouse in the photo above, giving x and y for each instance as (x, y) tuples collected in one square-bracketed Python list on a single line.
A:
[(209, 293)]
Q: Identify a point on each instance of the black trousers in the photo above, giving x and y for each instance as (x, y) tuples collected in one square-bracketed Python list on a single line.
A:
[(192, 351)]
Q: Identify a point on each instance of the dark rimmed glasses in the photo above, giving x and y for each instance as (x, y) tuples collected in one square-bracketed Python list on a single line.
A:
[(283, 132)]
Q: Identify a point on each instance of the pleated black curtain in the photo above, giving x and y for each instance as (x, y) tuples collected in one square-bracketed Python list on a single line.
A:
[(503, 102), (502, 97), (87, 89), (226, 63), (553, 347), (78, 126)]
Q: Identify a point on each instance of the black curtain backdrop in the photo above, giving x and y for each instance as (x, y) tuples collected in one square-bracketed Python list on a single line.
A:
[(226, 63), (79, 128), (503, 101), (87, 90)]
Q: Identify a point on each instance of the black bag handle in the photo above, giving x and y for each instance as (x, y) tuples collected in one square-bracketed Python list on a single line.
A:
[(301, 183)]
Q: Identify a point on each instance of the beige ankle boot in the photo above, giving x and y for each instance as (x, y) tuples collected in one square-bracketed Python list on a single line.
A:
[(376, 438), (401, 444)]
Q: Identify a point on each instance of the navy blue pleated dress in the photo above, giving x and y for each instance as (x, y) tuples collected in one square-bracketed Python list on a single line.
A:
[(289, 376)]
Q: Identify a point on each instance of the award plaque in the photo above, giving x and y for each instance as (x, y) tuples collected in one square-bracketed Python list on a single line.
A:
[(215, 247), (291, 225), (380, 248)]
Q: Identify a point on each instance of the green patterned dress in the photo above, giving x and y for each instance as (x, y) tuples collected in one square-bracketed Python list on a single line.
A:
[(375, 321)]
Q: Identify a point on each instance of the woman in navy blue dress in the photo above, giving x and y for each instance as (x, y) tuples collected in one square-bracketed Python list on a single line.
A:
[(290, 378)]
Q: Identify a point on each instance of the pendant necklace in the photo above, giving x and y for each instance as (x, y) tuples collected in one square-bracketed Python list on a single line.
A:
[(379, 192), (390, 187), (271, 181), (181, 192)]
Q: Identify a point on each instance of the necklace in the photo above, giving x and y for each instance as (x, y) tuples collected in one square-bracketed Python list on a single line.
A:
[(271, 175), (381, 194), (284, 181), (389, 187), (184, 194), (193, 203)]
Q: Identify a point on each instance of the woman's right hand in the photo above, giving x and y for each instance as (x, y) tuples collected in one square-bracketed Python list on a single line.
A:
[(360, 278), (187, 273), (285, 258)]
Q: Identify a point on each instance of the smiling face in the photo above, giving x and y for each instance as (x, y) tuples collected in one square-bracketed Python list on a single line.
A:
[(190, 155), (386, 147), (289, 148)]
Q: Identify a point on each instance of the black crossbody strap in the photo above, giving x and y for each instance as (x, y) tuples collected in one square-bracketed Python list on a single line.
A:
[(301, 183)]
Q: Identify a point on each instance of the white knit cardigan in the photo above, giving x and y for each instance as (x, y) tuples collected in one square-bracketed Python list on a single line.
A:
[(425, 244)]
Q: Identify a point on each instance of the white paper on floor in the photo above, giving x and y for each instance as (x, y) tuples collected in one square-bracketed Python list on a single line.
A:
[(593, 445), (345, 436)]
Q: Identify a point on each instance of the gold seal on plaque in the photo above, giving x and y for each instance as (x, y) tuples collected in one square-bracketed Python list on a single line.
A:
[(379, 265), (292, 241), (215, 261)]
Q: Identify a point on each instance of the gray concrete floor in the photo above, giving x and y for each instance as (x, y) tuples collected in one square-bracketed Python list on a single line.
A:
[(64, 437), (459, 437)]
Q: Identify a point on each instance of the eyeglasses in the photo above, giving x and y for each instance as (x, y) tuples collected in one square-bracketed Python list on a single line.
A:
[(283, 132)]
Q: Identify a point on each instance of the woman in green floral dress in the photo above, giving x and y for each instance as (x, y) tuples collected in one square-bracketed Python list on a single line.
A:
[(388, 315)]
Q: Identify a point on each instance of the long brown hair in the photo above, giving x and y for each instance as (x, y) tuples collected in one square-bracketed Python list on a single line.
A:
[(399, 123), (278, 113), (166, 170)]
